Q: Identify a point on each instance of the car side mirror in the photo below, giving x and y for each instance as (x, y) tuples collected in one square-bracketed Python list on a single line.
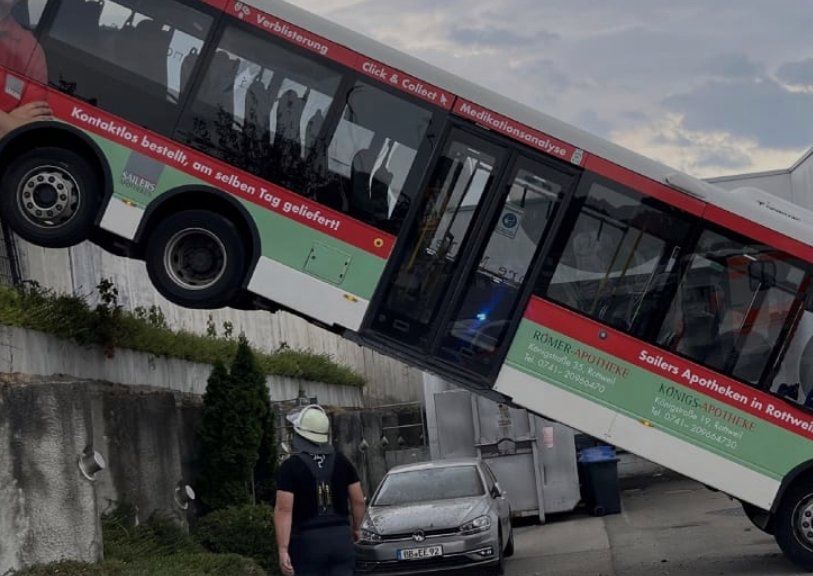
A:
[(496, 491)]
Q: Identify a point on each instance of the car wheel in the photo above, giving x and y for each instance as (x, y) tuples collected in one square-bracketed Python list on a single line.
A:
[(51, 197), (509, 548), (794, 525), (196, 259)]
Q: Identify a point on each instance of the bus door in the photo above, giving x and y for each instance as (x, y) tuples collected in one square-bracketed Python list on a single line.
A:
[(456, 284)]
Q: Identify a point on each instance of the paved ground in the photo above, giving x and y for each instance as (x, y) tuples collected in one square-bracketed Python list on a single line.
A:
[(669, 526)]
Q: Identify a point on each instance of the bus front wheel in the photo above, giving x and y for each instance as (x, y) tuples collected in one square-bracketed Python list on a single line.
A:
[(196, 259), (794, 525), (50, 197)]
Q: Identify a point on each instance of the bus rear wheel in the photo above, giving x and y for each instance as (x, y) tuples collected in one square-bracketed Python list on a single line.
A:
[(196, 259), (50, 197), (794, 525)]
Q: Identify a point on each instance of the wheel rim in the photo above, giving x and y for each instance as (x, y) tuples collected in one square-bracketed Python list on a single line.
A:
[(803, 521), (195, 259), (48, 196)]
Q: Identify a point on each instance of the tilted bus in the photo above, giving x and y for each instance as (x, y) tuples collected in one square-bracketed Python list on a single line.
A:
[(254, 155)]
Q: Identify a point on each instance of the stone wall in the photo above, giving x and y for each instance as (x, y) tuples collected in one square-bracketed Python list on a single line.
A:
[(50, 512)]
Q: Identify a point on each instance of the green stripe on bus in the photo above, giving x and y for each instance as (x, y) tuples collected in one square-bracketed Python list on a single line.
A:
[(670, 407), (283, 240)]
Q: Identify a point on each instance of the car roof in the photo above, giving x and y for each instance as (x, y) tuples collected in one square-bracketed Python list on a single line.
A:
[(435, 464)]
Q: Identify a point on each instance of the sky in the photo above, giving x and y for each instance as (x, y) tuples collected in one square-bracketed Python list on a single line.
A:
[(710, 87)]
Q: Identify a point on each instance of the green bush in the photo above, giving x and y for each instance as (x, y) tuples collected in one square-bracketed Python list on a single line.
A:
[(158, 536), (246, 530), (108, 325)]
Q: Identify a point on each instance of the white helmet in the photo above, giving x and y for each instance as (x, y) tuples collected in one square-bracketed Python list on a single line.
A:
[(312, 424)]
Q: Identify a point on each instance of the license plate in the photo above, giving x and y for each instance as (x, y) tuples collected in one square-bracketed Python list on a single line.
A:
[(420, 553)]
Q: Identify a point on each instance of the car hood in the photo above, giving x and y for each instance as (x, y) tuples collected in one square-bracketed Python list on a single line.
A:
[(428, 516)]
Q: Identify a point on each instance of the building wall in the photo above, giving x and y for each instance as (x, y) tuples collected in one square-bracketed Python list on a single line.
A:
[(79, 270)]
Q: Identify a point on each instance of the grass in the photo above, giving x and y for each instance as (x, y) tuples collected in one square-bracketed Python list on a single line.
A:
[(110, 326)]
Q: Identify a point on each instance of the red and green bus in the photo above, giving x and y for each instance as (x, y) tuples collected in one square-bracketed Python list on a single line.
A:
[(254, 155)]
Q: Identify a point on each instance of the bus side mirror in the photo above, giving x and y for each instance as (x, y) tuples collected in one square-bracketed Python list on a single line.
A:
[(762, 275)]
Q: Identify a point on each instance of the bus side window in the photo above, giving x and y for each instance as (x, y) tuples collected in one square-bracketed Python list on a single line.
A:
[(372, 155), (258, 107), (124, 56), (724, 314), (794, 378), (620, 258)]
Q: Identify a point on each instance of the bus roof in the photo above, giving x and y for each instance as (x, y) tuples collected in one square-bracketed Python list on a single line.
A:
[(757, 206)]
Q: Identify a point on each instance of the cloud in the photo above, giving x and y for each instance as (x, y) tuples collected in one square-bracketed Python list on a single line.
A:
[(799, 74), (761, 109), (619, 69), (702, 153)]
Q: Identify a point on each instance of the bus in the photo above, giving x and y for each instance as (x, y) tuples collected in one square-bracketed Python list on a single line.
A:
[(254, 155)]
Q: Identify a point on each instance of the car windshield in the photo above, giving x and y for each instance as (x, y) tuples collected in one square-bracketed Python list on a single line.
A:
[(430, 485)]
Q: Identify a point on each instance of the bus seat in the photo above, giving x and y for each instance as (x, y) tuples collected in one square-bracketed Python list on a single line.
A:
[(218, 88), (79, 21), (149, 45), (290, 108), (258, 109), (187, 67), (314, 129), (361, 168), (288, 138)]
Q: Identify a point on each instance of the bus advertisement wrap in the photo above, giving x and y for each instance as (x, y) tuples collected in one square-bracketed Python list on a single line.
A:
[(660, 390)]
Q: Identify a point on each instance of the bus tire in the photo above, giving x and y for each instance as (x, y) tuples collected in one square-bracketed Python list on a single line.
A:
[(794, 524), (196, 259), (50, 197)]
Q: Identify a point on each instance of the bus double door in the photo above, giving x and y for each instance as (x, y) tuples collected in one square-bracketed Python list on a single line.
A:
[(454, 288)]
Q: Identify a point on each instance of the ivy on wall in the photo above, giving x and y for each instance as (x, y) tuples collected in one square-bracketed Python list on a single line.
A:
[(110, 326)]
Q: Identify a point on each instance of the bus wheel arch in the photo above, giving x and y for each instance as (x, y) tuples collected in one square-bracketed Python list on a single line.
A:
[(53, 195), (792, 518), (217, 229)]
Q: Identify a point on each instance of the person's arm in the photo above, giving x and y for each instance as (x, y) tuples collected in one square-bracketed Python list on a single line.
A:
[(283, 515), (31, 112), (358, 508)]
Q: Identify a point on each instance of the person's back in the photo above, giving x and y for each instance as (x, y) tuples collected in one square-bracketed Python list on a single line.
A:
[(315, 521)]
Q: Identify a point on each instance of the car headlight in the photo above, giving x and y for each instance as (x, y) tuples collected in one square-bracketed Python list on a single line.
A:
[(368, 533), (369, 537), (481, 524)]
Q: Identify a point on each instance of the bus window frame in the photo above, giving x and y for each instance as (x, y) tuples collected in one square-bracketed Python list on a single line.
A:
[(805, 291), (349, 79), (46, 22)]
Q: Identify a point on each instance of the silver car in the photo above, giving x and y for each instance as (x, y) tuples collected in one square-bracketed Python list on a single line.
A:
[(434, 518)]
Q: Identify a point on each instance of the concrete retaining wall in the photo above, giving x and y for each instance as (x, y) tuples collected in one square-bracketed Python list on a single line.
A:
[(34, 353), (79, 269)]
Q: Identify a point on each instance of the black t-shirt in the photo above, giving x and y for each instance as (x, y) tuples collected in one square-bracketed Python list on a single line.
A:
[(295, 477)]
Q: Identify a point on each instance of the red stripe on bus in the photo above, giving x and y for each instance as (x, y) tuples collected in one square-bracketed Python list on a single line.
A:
[(759, 232), (519, 132), (324, 47), (222, 176), (757, 403), (645, 185), (290, 33), (219, 4)]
